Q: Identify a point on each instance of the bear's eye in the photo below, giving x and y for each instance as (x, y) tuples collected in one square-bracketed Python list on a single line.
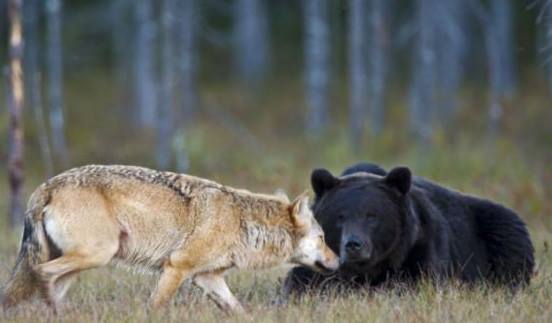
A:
[(321, 237), (340, 217)]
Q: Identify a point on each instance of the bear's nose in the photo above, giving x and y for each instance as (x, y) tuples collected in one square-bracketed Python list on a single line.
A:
[(353, 246)]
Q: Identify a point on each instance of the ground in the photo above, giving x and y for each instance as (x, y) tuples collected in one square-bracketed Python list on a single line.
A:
[(266, 151), (108, 295), (116, 295)]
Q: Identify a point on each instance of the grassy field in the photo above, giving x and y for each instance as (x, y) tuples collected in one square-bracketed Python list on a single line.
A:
[(264, 151), (115, 295)]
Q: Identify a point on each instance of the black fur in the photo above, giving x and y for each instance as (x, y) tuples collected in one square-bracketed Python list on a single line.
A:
[(27, 230), (364, 168), (408, 227)]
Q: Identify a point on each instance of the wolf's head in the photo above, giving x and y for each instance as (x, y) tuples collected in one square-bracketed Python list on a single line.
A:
[(310, 249)]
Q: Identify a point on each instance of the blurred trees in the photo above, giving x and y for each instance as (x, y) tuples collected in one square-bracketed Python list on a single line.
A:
[(439, 42), (422, 92), (33, 85), (54, 72), (545, 39), (317, 64), (368, 50), (451, 47), (378, 44), (251, 39), (164, 53), (358, 74), (145, 95), (15, 101), (165, 114), (500, 52), (187, 57), (438, 64)]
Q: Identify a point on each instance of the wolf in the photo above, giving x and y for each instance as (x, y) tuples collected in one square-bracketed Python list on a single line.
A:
[(181, 226)]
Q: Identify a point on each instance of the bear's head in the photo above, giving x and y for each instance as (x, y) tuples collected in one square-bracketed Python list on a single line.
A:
[(362, 214)]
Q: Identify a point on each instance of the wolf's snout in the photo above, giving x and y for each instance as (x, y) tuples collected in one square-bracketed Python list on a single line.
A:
[(333, 263), (328, 266)]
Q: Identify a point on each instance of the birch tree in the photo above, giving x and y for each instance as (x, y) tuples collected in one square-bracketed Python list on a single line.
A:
[(187, 26), (451, 48), (251, 39), (378, 60), (32, 79), (317, 64), (165, 114), (358, 96), (54, 69), (145, 98), (15, 101), (545, 40), (500, 51), (121, 26), (422, 103)]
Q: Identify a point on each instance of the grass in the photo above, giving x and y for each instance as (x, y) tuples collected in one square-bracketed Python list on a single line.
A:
[(107, 295), (516, 170), (115, 295)]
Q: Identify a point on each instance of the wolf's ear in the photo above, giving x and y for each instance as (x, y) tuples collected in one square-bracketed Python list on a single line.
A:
[(399, 178), (322, 181), (281, 193), (300, 211)]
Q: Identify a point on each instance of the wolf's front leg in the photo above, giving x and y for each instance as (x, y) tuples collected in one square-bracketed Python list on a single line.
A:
[(171, 278), (215, 286)]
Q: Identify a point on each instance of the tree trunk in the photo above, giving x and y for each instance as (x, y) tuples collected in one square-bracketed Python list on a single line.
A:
[(500, 57), (187, 60), (144, 64), (548, 35), (451, 47), (317, 61), (358, 96), (378, 52), (54, 68), (251, 39), (422, 90), (545, 40), (165, 133), (121, 42), (32, 81), (187, 26), (16, 95)]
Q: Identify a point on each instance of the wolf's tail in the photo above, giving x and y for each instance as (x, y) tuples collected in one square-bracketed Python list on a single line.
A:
[(34, 250)]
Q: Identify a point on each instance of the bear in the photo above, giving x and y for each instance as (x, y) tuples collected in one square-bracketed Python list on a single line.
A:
[(392, 227)]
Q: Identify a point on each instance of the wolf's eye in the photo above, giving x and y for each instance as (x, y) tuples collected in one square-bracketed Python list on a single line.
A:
[(321, 237)]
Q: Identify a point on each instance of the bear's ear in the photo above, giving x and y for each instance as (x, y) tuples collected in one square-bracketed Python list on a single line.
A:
[(322, 180), (399, 178)]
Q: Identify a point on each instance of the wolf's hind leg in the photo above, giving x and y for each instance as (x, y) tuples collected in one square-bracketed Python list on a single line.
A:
[(62, 286), (56, 275), (215, 287), (171, 279)]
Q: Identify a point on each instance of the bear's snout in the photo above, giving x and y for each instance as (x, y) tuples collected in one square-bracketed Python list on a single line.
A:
[(353, 246), (355, 249)]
